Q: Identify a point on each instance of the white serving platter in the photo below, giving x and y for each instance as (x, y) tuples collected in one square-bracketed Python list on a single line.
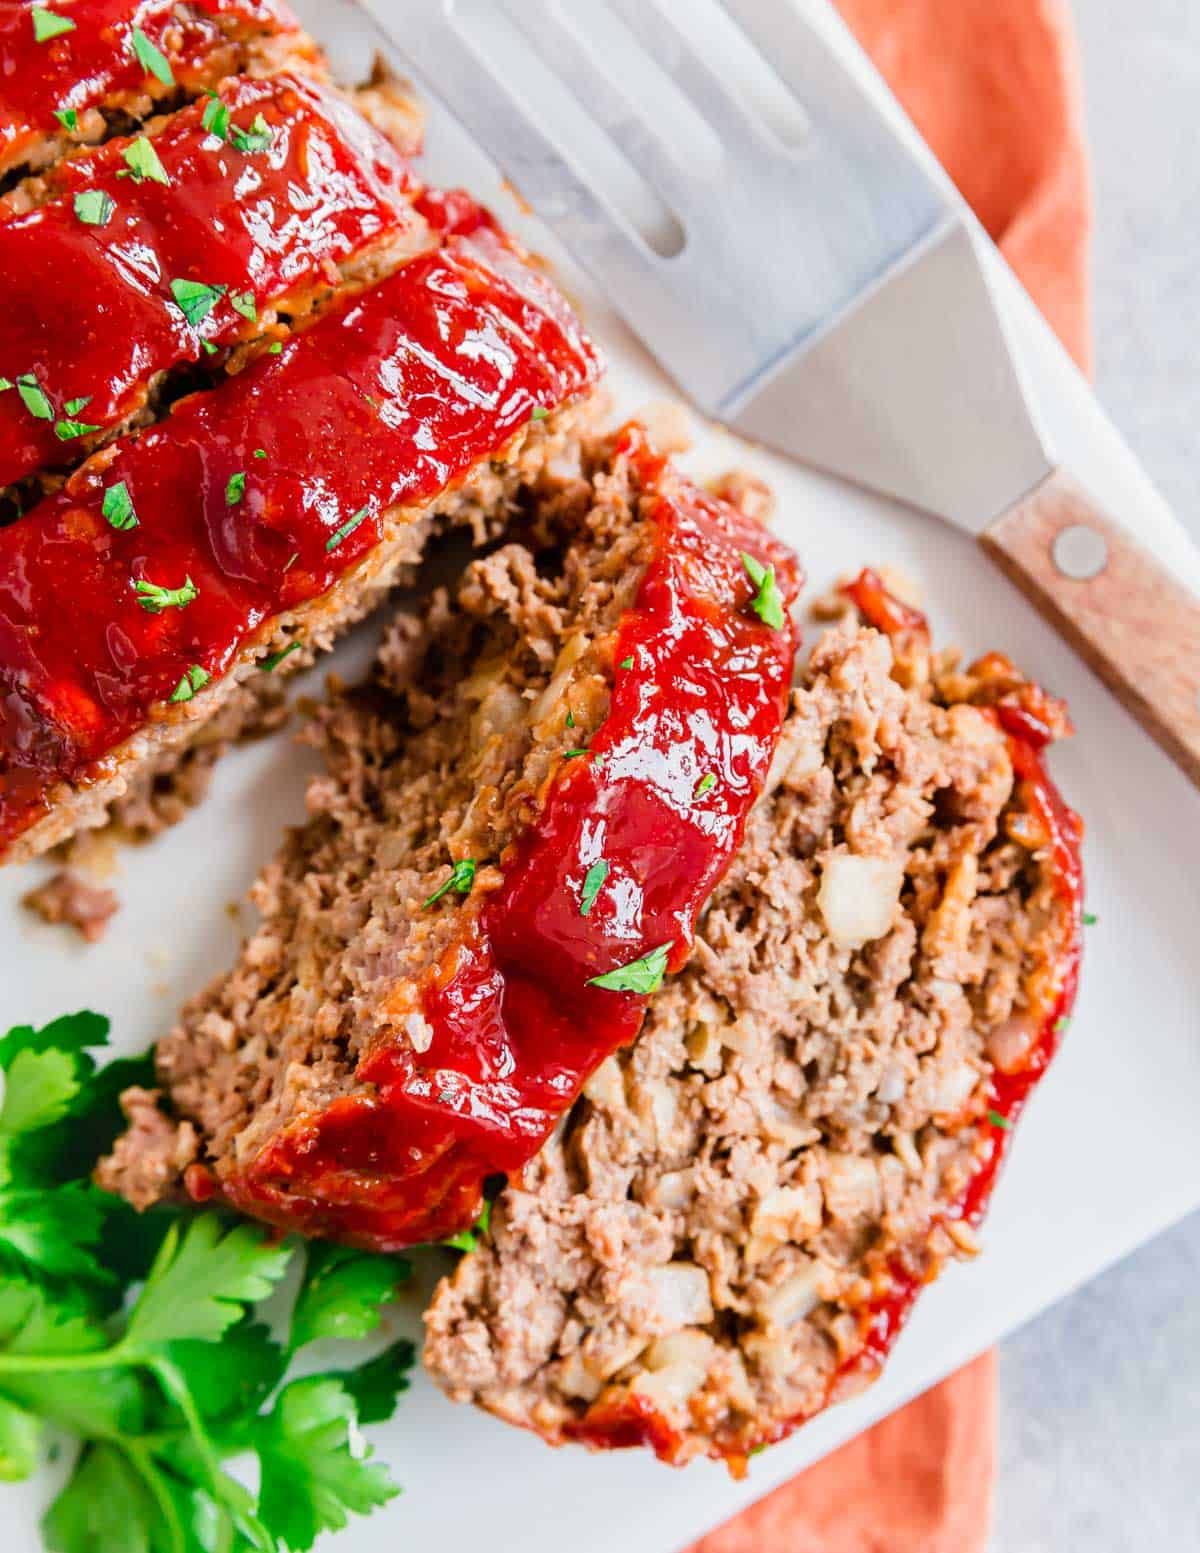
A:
[(1107, 1155)]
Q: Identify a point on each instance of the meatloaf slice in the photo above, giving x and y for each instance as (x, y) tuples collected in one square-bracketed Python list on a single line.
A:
[(521, 820), (257, 212), (272, 509), (728, 1232), (69, 79)]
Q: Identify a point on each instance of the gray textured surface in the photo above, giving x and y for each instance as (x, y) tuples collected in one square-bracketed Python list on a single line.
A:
[(1100, 1398)]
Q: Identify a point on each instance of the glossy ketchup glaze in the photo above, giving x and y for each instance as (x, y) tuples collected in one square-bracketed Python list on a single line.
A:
[(1032, 720), (262, 493), (94, 64), (515, 1026), (91, 309)]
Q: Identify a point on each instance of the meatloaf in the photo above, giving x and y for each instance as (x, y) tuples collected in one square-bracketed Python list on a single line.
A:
[(86, 67), (521, 819), (271, 510), (730, 1228)]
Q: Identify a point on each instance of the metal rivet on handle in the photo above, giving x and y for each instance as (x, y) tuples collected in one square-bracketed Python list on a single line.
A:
[(1080, 552)]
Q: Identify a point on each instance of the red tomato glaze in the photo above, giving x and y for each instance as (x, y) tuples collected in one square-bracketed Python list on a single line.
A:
[(382, 403), (89, 309), (516, 1028), (94, 64)]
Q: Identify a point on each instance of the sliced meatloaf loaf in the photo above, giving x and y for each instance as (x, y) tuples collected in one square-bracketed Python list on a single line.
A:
[(728, 1232), (75, 71), (270, 510), (522, 817), (260, 204)]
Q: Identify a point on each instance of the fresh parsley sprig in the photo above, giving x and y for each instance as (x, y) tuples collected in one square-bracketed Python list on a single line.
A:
[(138, 1337)]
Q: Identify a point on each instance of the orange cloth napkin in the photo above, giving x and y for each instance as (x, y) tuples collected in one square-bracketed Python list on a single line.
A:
[(994, 87)]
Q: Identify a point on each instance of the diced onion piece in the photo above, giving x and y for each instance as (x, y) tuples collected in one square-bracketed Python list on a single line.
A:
[(676, 1367), (1010, 1043), (681, 1293), (796, 1297), (858, 897)]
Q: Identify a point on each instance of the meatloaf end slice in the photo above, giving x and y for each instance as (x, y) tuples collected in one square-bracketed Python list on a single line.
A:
[(730, 1228), (522, 816), (272, 510)]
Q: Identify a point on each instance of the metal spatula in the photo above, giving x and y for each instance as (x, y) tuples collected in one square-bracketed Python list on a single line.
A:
[(828, 298)]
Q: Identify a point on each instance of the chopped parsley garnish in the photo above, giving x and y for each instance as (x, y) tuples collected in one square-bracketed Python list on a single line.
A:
[(243, 302), (154, 598), (538, 413), (236, 489), (346, 529), (117, 508), (767, 603), (462, 878), (33, 397), (999, 1121), (626, 663), (260, 452), (151, 58), (1062, 1024), (1090, 919), (47, 25), (195, 679), (291, 561), (67, 430), (195, 300), (5, 384), (143, 163), (706, 784), (94, 207), (593, 883), (68, 118), (215, 117), (208, 347), (73, 406), (583, 750), (255, 139), (644, 975), (271, 663), (570, 718), (275, 348)]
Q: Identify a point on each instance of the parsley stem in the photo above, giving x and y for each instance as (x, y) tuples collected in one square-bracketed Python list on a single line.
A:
[(141, 1462)]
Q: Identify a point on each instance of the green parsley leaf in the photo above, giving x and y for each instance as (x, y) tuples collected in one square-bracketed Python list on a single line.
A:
[(154, 598), (346, 529), (106, 1507), (68, 430), (142, 163), (260, 452), (343, 1294), (644, 975), (208, 347), (593, 883), (272, 662), (94, 207), (33, 397), (1090, 919), (117, 508), (377, 1385), (767, 603), (626, 663), (68, 118), (468, 1239), (38, 1090), (462, 879), (73, 406), (215, 117), (275, 348), (236, 488), (257, 138), (5, 384), (706, 784), (243, 302), (47, 24), (151, 58), (53, 1232), (233, 1377), (195, 300), (201, 1279), (311, 1480), (193, 680), (999, 1121), (570, 718), (539, 413)]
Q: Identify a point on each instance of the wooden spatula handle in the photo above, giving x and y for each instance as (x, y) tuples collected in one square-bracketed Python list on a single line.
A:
[(1133, 622)]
